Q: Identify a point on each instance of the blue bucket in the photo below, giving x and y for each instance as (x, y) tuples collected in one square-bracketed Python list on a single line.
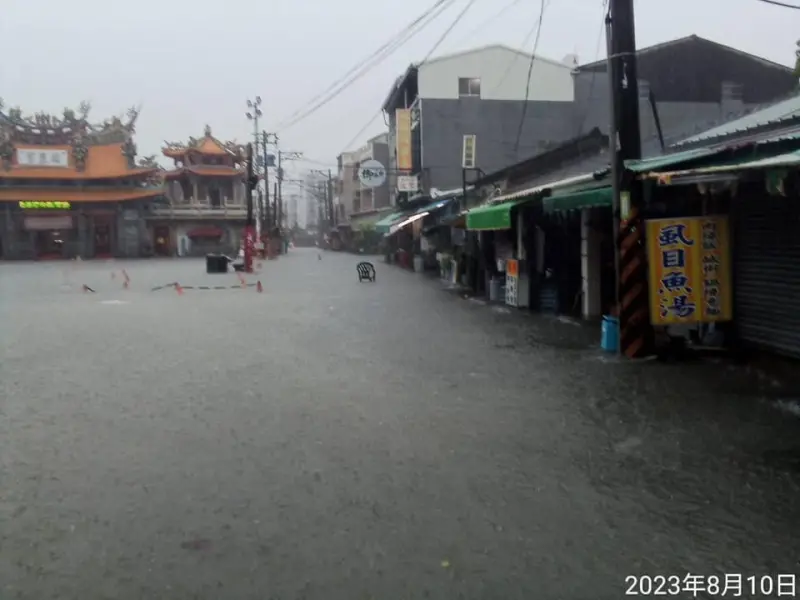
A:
[(609, 334)]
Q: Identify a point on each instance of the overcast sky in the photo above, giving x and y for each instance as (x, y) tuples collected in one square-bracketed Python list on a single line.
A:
[(192, 63)]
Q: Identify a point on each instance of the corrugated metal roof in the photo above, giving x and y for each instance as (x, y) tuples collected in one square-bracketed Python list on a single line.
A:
[(785, 160), (775, 113), (667, 160)]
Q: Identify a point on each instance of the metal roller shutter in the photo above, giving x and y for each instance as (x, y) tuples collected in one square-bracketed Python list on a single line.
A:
[(767, 272)]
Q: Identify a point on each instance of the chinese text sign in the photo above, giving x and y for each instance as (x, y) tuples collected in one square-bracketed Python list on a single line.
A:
[(689, 270), (403, 133)]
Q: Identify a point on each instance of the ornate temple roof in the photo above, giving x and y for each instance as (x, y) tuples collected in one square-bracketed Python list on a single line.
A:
[(207, 145), (48, 147)]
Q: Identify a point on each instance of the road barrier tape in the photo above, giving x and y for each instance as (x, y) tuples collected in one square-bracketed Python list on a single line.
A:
[(176, 285)]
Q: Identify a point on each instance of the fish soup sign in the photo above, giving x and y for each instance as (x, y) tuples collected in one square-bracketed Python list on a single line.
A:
[(690, 270)]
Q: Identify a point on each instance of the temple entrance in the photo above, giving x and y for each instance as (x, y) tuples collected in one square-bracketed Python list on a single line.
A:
[(50, 244), (102, 240), (161, 243)]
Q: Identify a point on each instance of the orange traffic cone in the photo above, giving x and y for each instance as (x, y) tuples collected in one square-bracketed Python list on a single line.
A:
[(259, 287), (179, 289)]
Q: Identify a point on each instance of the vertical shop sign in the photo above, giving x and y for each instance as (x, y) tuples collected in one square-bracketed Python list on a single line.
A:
[(689, 270)]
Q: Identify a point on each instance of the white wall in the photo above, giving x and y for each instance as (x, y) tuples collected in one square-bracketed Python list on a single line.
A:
[(503, 73)]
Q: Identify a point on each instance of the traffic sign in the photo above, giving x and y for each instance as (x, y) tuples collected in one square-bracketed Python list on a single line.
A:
[(372, 173)]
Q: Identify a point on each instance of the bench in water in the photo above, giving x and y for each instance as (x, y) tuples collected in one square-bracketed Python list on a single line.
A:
[(366, 271)]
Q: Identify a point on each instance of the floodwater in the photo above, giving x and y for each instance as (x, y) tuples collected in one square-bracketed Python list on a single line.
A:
[(330, 439)]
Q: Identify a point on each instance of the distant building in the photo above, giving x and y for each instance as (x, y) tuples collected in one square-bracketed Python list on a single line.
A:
[(69, 188), (466, 109), (358, 201), (313, 190), (206, 198)]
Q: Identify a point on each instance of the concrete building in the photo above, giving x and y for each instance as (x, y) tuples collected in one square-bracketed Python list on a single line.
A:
[(356, 200), (465, 110), (313, 185)]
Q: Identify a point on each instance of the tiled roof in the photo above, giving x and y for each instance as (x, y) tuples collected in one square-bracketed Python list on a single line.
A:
[(102, 162)]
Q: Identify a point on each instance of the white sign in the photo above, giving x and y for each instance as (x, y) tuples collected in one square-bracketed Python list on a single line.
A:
[(45, 223), (407, 183), (33, 157), (371, 174)]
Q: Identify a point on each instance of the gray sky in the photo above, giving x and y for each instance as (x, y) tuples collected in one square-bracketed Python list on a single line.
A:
[(192, 63)]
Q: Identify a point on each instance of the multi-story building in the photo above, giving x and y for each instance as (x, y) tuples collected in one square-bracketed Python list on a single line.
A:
[(357, 201), (466, 109), (715, 83), (205, 208), (479, 109), (70, 188)]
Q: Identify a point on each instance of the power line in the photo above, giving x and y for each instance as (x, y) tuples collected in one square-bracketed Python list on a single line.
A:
[(448, 30), (483, 26), (378, 57), (783, 4), (542, 7), (370, 58), (424, 60), (594, 72)]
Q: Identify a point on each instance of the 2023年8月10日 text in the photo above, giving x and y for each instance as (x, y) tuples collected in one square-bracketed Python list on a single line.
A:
[(727, 585)]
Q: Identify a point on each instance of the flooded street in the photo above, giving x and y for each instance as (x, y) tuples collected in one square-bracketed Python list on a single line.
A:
[(330, 439)]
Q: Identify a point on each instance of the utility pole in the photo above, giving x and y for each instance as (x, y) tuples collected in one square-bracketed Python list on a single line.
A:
[(282, 156), (253, 113), (636, 334), (331, 207), (267, 139)]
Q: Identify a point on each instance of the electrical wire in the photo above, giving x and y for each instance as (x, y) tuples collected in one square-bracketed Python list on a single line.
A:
[(393, 40), (378, 57), (600, 35), (542, 8), (484, 25), (782, 4), (438, 43)]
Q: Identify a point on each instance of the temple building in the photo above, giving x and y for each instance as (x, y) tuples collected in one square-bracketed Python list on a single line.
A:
[(204, 209), (70, 188)]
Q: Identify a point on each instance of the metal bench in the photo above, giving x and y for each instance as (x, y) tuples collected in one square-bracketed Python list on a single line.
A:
[(366, 271)]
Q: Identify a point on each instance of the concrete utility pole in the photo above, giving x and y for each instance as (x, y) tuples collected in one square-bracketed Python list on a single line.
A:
[(268, 139), (253, 114), (634, 320), (326, 198)]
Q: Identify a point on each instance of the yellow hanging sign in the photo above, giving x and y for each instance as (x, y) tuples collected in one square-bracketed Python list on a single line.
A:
[(689, 270)]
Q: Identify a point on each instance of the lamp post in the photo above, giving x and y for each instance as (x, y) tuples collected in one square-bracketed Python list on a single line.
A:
[(253, 113)]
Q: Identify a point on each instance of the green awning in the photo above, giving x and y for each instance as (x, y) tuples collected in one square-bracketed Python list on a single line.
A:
[(491, 216), (564, 201), (386, 223)]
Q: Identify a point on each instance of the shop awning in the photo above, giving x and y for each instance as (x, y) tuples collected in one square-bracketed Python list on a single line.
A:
[(385, 224), (781, 161), (367, 220), (208, 231), (576, 200), (419, 213), (491, 217)]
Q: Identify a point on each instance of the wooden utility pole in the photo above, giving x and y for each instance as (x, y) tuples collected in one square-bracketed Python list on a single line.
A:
[(634, 319)]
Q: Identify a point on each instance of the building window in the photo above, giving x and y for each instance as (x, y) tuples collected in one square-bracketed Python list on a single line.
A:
[(468, 152), (469, 86)]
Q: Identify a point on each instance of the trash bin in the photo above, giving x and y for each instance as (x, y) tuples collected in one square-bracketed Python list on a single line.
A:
[(609, 334), (216, 263)]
